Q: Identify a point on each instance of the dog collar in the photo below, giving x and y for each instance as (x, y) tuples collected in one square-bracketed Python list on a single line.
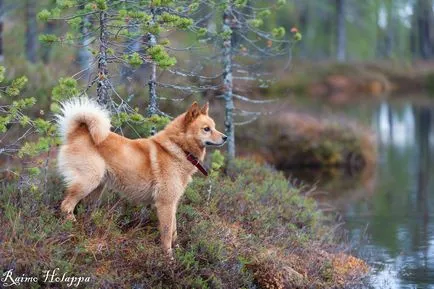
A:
[(196, 162)]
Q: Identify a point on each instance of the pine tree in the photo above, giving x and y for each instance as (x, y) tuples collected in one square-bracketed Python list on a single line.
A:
[(247, 44), (106, 28)]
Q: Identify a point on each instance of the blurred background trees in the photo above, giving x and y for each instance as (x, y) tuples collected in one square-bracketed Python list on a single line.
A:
[(332, 29), (170, 50)]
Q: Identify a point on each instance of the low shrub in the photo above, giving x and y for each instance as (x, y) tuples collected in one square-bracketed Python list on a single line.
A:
[(244, 229)]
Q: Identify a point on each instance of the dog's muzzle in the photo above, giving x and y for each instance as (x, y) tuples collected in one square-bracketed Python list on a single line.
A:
[(208, 143)]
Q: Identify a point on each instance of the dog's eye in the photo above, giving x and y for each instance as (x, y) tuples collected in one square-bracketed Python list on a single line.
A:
[(207, 129)]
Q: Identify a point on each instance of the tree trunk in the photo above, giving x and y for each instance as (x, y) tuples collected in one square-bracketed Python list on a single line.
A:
[(414, 39), (423, 42), (152, 83), (102, 89), (2, 14), (46, 49), (31, 31), (227, 83), (390, 30), (84, 56), (341, 31)]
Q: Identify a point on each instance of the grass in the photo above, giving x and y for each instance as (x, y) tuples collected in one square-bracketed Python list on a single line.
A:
[(248, 229)]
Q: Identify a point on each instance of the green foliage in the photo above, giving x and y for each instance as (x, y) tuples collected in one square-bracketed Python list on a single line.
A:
[(202, 32), (297, 36), (133, 59), (226, 35), (257, 22), (16, 86), (175, 20), (65, 4), (162, 2), (264, 13), (44, 15), (48, 38), (75, 23), (217, 160), (66, 88), (193, 6), (101, 4), (240, 3), (161, 57), (278, 32), (2, 73), (15, 113), (142, 126)]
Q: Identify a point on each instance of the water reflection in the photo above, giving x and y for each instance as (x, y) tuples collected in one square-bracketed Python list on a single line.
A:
[(400, 227), (391, 208)]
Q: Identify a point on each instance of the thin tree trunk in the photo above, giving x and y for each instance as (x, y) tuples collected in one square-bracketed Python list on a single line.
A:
[(152, 83), (2, 13), (341, 31), (414, 37), (228, 83), (390, 30), (102, 89), (31, 31), (46, 49), (84, 56), (425, 29)]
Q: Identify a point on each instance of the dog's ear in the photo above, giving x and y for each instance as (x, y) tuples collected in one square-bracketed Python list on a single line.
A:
[(204, 110), (192, 113)]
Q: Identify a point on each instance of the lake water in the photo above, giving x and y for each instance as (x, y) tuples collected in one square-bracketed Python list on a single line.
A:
[(389, 212)]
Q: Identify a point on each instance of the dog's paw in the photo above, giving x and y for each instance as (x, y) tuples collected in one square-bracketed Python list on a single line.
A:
[(170, 256), (70, 217)]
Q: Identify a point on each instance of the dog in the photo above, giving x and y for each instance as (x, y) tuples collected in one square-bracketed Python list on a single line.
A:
[(152, 170)]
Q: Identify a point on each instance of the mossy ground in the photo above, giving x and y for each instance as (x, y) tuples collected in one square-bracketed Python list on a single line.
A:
[(249, 228)]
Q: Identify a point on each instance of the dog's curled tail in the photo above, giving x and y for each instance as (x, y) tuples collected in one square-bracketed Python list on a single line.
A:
[(77, 111)]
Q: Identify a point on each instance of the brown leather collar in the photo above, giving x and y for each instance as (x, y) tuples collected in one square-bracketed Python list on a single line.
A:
[(196, 162)]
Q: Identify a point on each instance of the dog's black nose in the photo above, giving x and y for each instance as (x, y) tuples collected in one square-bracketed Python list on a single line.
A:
[(224, 138)]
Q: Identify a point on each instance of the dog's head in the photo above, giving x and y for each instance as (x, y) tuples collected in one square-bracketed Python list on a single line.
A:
[(201, 127)]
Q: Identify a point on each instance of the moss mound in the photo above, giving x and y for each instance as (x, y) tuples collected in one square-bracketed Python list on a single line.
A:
[(303, 141), (246, 229), (297, 140)]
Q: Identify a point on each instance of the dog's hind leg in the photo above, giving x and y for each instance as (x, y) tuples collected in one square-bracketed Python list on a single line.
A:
[(93, 200), (174, 230), (77, 191)]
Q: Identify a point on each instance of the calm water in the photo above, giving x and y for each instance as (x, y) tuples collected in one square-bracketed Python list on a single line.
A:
[(389, 212), (398, 217)]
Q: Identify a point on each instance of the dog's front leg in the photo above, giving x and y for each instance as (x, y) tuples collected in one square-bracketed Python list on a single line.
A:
[(174, 231), (166, 216)]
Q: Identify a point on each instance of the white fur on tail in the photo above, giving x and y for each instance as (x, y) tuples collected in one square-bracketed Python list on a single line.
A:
[(83, 110)]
